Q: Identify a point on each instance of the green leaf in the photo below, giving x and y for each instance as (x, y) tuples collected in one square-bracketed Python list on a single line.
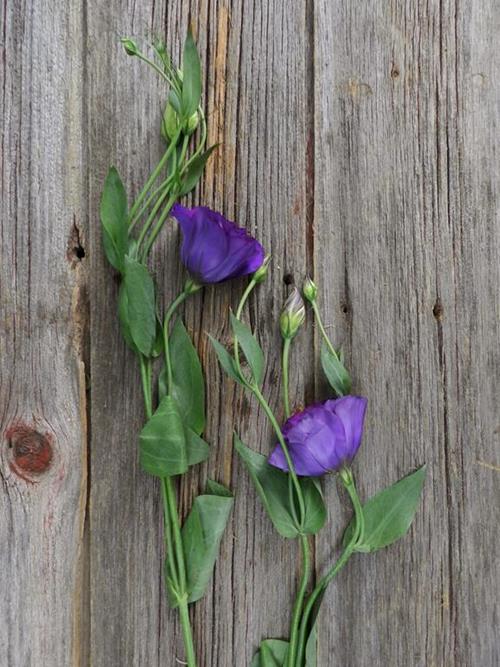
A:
[(141, 314), (312, 648), (226, 360), (163, 448), (197, 449), (271, 653), (188, 386), (316, 513), (273, 488), (216, 489), (158, 342), (191, 77), (389, 513), (123, 317), (201, 536), (335, 371), (195, 170), (250, 347), (114, 219)]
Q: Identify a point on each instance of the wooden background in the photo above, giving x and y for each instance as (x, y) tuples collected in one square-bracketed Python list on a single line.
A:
[(360, 142)]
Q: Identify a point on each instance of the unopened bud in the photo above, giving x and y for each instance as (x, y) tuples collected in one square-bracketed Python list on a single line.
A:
[(192, 123), (170, 123), (293, 314), (310, 290), (131, 48), (260, 275)]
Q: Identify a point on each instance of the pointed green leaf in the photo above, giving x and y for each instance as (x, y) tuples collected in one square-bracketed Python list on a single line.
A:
[(195, 170), (197, 449), (201, 536), (188, 386), (271, 653), (388, 514), (335, 371), (141, 316), (123, 317), (114, 219), (273, 487), (163, 449), (250, 347), (312, 648), (191, 77), (315, 505), (226, 360)]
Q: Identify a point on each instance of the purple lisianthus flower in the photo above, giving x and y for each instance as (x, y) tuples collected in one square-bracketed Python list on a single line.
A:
[(323, 437), (215, 249)]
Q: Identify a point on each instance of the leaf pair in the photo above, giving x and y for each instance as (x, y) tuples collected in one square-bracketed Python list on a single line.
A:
[(251, 349), (389, 513), (273, 488), (170, 441)]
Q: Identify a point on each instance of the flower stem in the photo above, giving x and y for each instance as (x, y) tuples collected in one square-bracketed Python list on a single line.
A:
[(284, 366), (299, 601), (319, 321), (159, 224), (152, 178), (357, 537), (187, 632)]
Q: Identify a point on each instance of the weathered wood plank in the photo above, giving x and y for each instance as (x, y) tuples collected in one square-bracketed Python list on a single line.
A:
[(42, 320), (407, 239)]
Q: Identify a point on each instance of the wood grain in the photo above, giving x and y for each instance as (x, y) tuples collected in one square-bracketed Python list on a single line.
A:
[(360, 142), (42, 330)]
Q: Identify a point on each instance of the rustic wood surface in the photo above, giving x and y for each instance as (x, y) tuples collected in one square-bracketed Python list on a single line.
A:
[(359, 142)]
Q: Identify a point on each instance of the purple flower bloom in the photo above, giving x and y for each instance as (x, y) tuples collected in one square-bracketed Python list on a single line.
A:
[(323, 437), (215, 249)]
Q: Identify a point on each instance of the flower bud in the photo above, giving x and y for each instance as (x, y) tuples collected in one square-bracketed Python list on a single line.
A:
[(260, 275), (170, 123), (293, 314), (309, 290), (131, 48), (192, 123)]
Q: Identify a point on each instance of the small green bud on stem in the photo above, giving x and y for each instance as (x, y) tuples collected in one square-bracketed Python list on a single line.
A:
[(293, 315), (131, 48), (260, 275), (309, 290)]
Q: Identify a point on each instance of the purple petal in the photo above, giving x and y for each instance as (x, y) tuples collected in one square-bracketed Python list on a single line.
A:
[(215, 249), (351, 411)]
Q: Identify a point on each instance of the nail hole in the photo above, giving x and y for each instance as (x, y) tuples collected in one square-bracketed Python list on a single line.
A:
[(288, 279), (79, 252), (438, 309), (345, 308)]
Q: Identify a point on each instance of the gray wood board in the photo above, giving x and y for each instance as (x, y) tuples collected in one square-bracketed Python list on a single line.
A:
[(359, 142)]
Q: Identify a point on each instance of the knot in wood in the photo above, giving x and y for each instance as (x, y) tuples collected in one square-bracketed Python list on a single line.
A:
[(31, 451)]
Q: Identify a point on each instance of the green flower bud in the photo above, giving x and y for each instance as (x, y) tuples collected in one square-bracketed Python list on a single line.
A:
[(192, 123), (260, 275), (309, 290), (131, 48), (293, 314), (170, 123)]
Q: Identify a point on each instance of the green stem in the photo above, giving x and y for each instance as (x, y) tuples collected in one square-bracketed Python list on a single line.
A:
[(284, 366), (152, 178), (159, 190), (317, 315), (159, 225), (187, 633), (323, 583), (299, 601)]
